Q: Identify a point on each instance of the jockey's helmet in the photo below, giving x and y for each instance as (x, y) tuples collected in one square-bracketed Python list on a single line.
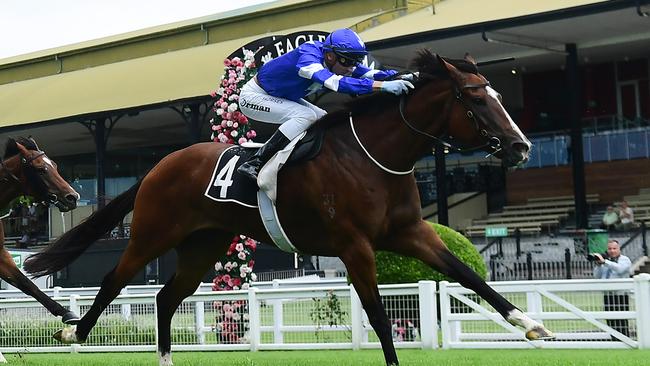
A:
[(345, 43)]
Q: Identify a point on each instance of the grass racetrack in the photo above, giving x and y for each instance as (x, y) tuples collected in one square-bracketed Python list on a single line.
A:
[(491, 357)]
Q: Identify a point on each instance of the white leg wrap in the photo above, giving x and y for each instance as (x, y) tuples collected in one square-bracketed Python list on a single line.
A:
[(69, 335), (516, 317), (165, 359)]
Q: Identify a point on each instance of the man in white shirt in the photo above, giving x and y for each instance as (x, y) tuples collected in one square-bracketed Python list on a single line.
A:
[(615, 265), (626, 215)]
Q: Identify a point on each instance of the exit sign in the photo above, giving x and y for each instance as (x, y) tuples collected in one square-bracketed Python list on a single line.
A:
[(492, 232)]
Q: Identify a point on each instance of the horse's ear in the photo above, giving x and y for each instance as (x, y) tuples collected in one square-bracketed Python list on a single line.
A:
[(34, 142), (469, 58), (450, 70), (21, 148)]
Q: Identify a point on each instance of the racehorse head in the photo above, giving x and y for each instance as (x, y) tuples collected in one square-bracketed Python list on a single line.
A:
[(36, 175), (475, 117)]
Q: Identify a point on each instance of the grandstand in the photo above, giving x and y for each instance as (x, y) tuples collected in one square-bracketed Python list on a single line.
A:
[(538, 215)]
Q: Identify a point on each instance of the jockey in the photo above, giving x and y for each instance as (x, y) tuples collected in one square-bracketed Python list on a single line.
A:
[(275, 94)]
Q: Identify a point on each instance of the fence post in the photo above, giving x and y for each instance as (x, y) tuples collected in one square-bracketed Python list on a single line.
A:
[(254, 318), (2, 358), (644, 244), (125, 308), (518, 241), (529, 264), (278, 320), (567, 262), (199, 321), (445, 309), (428, 319), (74, 307), (356, 317), (642, 295)]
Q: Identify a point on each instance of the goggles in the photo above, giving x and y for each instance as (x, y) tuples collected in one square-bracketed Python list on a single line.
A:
[(347, 61)]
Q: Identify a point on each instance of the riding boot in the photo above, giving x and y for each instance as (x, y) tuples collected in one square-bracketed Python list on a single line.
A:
[(252, 166)]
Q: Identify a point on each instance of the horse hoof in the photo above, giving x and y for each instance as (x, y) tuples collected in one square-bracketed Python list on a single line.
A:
[(539, 333), (67, 335), (70, 318)]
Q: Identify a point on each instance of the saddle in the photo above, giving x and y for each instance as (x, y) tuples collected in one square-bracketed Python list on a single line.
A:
[(226, 185)]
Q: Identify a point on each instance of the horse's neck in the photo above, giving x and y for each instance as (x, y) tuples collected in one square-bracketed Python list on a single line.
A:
[(9, 188), (388, 138)]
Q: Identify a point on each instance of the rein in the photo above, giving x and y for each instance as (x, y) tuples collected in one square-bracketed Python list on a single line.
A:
[(492, 141)]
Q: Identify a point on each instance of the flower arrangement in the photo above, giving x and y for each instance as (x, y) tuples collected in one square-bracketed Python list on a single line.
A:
[(229, 124), (234, 272)]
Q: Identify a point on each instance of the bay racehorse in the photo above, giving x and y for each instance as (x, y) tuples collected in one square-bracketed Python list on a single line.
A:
[(357, 196), (26, 170)]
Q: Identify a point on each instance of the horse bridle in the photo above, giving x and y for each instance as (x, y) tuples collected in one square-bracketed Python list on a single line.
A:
[(493, 142), (27, 163)]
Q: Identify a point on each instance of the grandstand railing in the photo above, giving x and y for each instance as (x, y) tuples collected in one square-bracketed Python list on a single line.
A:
[(282, 318)]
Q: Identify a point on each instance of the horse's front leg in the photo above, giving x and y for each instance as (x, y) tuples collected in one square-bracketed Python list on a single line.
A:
[(422, 242), (359, 260)]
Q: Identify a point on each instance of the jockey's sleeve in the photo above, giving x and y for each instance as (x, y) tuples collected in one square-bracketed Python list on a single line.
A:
[(310, 67), (361, 71)]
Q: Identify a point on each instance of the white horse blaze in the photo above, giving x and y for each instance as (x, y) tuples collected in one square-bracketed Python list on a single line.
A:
[(494, 94)]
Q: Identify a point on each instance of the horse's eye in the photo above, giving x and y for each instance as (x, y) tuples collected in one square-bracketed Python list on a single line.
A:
[(478, 100)]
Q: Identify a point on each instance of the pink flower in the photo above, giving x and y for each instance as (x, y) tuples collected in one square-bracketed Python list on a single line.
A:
[(213, 94), (251, 263), (226, 62), (239, 247), (242, 140), (241, 255)]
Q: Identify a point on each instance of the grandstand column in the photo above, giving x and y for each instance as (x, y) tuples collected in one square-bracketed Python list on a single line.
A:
[(100, 132), (577, 158)]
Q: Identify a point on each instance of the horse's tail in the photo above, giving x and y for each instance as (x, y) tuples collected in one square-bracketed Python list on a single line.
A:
[(75, 241)]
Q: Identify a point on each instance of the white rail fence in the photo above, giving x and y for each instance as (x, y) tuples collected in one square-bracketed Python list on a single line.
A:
[(330, 316)]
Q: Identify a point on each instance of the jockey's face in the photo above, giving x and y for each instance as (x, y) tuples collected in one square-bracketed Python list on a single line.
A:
[(332, 62)]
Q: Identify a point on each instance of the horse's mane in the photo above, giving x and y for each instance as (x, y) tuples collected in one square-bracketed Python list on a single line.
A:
[(425, 62), (11, 149)]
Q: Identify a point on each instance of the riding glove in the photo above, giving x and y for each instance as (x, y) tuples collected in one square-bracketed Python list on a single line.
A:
[(396, 87)]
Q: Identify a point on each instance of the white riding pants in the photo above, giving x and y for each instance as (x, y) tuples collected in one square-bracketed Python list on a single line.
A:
[(293, 117)]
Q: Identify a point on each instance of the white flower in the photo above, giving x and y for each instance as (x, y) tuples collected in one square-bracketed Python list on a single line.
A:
[(235, 125), (232, 107), (234, 133), (239, 247), (248, 63), (243, 268), (235, 288), (229, 123), (219, 111), (218, 266), (253, 277), (241, 255), (221, 90), (234, 264), (245, 286)]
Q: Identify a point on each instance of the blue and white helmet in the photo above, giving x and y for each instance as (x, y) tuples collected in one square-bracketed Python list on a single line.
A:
[(345, 42)]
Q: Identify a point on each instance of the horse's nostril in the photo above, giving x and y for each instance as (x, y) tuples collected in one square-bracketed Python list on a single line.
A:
[(520, 147), (71, 198)]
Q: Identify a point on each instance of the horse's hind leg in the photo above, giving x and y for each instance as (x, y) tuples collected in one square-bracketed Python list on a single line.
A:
[(359, 260), (10, 273), (196, 255), (422, 242), (138, 253)]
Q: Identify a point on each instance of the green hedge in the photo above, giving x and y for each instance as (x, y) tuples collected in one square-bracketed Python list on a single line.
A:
[(394, 268)]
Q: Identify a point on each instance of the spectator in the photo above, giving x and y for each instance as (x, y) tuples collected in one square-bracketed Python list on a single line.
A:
[(610, 219), (614, 265), (626, 215)]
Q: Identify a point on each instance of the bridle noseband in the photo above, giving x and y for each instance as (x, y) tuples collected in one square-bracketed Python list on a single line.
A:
[(492, 142)]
